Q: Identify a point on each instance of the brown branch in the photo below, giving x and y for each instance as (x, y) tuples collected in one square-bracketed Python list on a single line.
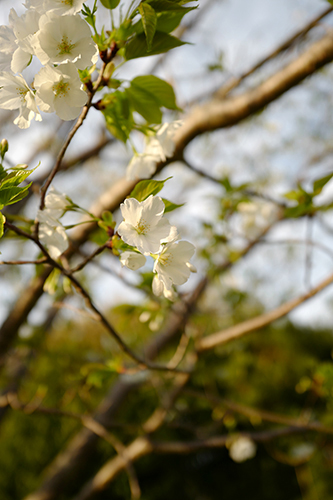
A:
[(237, 331), (184, 448), (21, 262), (235, 82), (260, 414)]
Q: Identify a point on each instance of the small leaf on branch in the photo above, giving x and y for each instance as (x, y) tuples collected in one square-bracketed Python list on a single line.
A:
[(110, 4), (320, 183), (169, 206), (162, 42), (145, 188), (2, 223), (149, 21)]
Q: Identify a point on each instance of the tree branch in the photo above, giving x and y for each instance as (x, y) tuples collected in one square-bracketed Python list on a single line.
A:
[(237, 331)]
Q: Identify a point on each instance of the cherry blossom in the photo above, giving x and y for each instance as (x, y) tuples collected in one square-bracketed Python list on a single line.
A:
[(24, 28), (56, 203), (60, 90), (141, 166), (61, 7), (162, 145), (144, 226), (7, 47), (173, 267), (63, 39), (132, 260), (16, 94), (51, 233)]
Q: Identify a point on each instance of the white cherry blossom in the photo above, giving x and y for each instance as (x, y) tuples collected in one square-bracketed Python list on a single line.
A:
[(55, 203), (16, 94), (243, 448), (61, 7), (143, 226), (172, 266), (141, 166), (60, 90), (24, 28), (51, 233), (132, 260), (7, 47), (63, 39), (162, 144)]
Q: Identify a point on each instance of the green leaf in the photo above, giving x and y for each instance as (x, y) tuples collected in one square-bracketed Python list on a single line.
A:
[(145, 188), (110, 4), (118, 116), (168, 21), (144, 103), (169, 206), (149, 21), (16, 177), (320, 183), (162, 42), (163, 5), (2, 223), (10, 195), (161, 90)]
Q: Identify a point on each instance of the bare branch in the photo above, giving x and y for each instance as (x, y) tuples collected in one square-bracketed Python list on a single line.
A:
[(259, 322)]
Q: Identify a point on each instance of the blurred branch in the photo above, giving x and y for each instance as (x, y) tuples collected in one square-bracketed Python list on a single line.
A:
[(259, 414), (11, 400), (235, 82), (237, 331)]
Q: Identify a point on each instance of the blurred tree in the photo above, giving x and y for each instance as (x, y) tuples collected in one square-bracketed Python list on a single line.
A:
[(112, 385)]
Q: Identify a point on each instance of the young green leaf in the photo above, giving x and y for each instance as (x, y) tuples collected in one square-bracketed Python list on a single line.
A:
[(145, 188), (2, 224), (169, 206), (162, 91), (162, 42), (144, 103), (320, 183), (169, 20), (149, 21), (110, 4)]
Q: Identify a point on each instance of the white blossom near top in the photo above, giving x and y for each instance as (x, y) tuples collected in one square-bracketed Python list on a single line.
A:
[(141, 166), (132, 260), (143, 226), (63, 39), (60, 90), (24, 28), (61, 7), (172, 267), (55, 203), (243, 448), (162, 145), (16, 94), (7, 47), (51, 233)]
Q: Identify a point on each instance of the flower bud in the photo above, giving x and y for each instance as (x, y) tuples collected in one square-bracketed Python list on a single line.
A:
[(3, 148)]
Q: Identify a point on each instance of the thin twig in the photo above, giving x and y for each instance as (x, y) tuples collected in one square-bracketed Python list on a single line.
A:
[(259, 322), (42, 260), (236, 81), (69, 138)]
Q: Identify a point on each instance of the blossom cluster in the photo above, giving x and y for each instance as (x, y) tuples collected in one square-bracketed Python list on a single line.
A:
[(51, 232), (149, 233), (159, 147), (54, 32)]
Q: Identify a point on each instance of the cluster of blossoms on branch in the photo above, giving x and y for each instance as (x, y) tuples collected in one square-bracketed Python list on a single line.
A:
[(54, 32), (158, 148), (149, 233)]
